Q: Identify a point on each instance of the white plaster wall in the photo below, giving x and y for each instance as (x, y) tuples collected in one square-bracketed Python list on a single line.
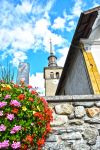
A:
[(96, 55), (93, 42)]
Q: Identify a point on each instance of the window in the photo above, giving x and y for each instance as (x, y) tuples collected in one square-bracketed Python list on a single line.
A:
[(57, 75), (52, 75)]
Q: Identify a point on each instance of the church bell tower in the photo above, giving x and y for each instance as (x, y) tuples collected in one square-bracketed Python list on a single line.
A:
[(52, 74)]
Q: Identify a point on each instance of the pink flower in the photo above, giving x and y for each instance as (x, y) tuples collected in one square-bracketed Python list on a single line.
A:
[(2, 127), (16, 145), (15, 103), (15, 129), (1, 81), (7, 96), (10, 116), (4, 144), (1, 113), (2, 104)]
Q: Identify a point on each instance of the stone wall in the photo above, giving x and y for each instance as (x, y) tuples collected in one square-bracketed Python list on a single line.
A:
[(76, 124)]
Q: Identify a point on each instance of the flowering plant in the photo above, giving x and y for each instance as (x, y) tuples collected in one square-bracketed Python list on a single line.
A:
[(24, 117)]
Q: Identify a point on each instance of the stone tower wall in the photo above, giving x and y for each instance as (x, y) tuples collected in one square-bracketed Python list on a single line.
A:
[(51, 83)]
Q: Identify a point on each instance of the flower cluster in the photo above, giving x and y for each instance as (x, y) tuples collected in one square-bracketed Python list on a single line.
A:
[(24, 117), (2, 127), (15, 103), (2, 104), (15, 129), (4, 144)]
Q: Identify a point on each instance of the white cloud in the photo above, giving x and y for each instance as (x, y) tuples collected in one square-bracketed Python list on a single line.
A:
[(67, 21), (63, 52), (23, 37), (49, 5), (59, 23), (26, 7), (19, 31), (5, 40), (22, 33), (41, 27), (43, 34), (71, 23), (95, 4), (75, 12), (77, 9), (37, 82), (71, 26), (18, 56)]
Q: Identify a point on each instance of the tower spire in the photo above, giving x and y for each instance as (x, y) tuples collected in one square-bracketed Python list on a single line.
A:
[(51, 51), (52, 58)]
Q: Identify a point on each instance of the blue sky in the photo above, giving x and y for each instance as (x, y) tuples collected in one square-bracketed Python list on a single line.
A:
[(26, 27)]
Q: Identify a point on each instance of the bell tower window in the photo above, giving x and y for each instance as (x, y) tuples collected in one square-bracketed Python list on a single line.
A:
[(57, 75), (52, 75)]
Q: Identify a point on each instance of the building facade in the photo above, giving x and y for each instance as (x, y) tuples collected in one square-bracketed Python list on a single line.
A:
[(81, 74), (52, 74)]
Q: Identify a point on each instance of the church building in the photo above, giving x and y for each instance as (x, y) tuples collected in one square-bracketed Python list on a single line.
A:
[(52, 74), (81, 72)]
